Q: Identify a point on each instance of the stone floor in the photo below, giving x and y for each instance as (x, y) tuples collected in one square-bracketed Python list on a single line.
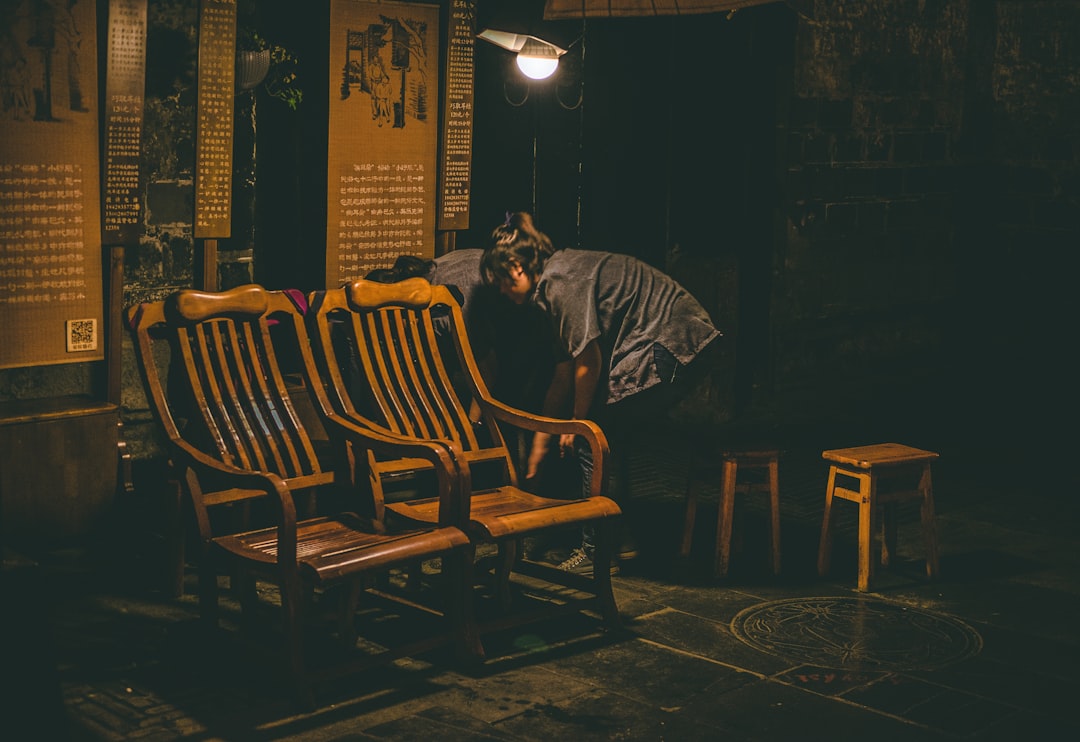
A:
[(986, 652)]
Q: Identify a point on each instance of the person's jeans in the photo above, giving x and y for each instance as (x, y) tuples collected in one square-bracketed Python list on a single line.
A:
[(639, 411)]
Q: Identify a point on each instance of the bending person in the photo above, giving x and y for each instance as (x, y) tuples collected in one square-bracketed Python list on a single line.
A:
[(632, 339)]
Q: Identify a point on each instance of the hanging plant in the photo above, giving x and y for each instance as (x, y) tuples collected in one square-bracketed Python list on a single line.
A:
[(278, 66)]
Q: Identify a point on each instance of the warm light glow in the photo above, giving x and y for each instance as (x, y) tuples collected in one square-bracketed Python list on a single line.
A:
[(536, 58), (538, 68)]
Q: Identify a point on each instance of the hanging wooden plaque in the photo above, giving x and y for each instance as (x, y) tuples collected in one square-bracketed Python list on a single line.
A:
[(457, 128), (214, 119), (125, 83), (383, 135), (50, 228)]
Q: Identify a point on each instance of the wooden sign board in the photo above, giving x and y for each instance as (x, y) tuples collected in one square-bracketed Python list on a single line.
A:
[(51, 296), (382, 172), (214, 118), (457, 129), (125, 84)]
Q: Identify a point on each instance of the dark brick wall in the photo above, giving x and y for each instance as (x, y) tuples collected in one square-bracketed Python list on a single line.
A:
[(865, 266), (1025, 217), (933, 212)]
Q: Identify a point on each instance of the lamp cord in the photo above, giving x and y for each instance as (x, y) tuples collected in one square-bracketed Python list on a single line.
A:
[(581, 129)]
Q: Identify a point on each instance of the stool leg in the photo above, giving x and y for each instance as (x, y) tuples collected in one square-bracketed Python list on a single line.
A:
[(825, 547), (888, 533), (724, 518), (693, 487), (929, 528), (774, 512), (868, 498)]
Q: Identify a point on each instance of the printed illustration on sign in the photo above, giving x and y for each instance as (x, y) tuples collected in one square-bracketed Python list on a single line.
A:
[(388, 61), (40, 60)]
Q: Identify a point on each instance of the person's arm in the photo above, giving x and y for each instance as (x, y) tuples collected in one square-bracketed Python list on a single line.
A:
[(555, 405), (489, 371), (586, 376), (583, 373)]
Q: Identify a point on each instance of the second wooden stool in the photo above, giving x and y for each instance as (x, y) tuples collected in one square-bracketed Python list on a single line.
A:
[(885, 473), (732, 464)]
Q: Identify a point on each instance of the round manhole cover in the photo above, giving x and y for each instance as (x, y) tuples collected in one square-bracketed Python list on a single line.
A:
[(845, 633)]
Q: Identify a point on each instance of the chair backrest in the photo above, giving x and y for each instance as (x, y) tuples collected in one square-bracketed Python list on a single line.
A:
[(398, 354), (214, 383)]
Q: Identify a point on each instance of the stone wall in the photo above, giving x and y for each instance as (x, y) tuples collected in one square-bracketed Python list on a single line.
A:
[(865, 271), (933, 212), (1024, 219)]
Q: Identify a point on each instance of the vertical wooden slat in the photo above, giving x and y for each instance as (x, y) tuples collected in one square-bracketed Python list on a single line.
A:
[(329, 362), (451, 416), (458, 409), (365, 348), (373, 335), (275, 395), (404, 376), (210, 400), (188, 343), (237, 366)]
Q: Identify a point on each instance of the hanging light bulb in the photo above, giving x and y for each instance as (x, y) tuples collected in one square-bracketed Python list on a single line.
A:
[(536, 58)]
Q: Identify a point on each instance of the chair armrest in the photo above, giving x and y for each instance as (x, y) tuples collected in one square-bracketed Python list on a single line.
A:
[(587, 429), (260, 484), (446, 458)]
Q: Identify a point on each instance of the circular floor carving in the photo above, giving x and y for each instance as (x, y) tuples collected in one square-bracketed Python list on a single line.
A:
[(846, 633)]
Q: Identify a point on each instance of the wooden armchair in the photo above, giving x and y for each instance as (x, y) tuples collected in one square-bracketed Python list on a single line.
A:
[(264, 504), (396, 359)]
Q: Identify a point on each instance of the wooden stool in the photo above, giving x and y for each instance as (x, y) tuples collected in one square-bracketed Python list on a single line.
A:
[(731, 462), (906, 473)]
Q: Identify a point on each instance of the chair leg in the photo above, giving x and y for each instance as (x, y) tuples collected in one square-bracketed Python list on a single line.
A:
[(602, 560), (460, 607), (292, 628), (825, 547), (507, 557), (247, 591), (725, 517), (774, 514), (350, 600)]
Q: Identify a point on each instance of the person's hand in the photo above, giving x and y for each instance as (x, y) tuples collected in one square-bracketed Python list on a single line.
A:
[(540, 444), (566, 444), (475, 413)]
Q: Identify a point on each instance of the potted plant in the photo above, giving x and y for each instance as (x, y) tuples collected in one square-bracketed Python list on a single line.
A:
[(261, 61)]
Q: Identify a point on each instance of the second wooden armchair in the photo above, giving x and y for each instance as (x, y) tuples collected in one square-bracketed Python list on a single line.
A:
[(396, 358)]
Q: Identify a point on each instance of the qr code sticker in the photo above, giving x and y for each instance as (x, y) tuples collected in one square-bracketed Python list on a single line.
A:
[(81, 335)]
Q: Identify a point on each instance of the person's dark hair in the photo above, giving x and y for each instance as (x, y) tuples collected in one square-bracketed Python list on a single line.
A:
[(411, 266), (381, 275), (406, 266), (515, 242)]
